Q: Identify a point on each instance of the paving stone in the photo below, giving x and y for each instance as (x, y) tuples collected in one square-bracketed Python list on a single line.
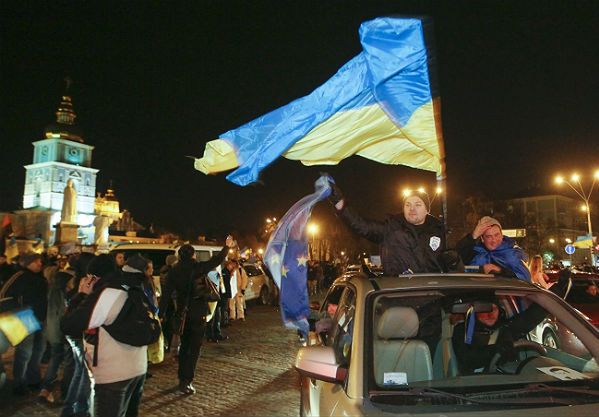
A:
[(251, 374)]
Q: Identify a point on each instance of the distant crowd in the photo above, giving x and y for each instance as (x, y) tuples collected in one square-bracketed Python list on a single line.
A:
[(103, 319)]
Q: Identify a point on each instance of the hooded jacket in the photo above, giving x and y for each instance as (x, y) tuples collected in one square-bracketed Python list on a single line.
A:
[(405, 248)]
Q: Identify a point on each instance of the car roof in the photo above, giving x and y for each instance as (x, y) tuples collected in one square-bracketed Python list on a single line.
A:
[(159, 246), (436, 281)]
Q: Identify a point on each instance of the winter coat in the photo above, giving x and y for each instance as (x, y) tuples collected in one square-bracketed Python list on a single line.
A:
[(178, 279), (30, 289), (56, 304), (405, 248), (116, 361)]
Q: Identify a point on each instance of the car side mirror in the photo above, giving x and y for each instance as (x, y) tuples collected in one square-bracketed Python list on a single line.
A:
[(319, 362)]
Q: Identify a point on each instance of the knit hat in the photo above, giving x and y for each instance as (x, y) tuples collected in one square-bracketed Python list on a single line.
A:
[(29, 257), (421, 195), (138, 262), (491, 221)]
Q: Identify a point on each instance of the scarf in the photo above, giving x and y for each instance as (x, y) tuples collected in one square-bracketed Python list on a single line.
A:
[(506, 255)]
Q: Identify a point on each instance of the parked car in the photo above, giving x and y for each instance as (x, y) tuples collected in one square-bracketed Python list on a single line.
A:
[(259, 286), (384, 346), (157, 253)]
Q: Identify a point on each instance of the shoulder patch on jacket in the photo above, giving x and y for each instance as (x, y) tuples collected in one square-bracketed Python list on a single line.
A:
[(435, 242)]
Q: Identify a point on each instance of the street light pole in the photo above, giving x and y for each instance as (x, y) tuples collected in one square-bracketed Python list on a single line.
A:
[(586, 197)]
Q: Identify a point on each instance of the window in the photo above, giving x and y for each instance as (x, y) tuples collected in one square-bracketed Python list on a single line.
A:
[(252, 270), (202, 255), (342, 332)]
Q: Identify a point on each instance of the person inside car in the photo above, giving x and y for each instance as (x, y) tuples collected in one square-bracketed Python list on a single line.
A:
[(591, 295), (483, 334), (494, 253)]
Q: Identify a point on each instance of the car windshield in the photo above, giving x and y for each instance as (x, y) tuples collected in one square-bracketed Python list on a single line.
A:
[(475, 340)]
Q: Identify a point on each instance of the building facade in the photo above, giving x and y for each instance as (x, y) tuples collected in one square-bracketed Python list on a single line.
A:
[(59, 157)]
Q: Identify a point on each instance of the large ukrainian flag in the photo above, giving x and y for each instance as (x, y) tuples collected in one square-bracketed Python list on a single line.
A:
[(380, 105)]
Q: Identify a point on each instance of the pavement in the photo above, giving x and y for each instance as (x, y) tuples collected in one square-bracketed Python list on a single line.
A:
[(251, 374)]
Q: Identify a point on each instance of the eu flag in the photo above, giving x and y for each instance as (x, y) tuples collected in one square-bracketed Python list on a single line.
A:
[(287, 255)]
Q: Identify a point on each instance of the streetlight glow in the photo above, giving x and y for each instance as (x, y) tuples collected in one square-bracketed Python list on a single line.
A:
[(313, 228), (585, 195), (406, 192), (439, 190), (568, 240), (421, 190), (552, 241)]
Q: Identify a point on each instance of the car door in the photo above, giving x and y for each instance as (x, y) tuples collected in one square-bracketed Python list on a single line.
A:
[(325, 397)]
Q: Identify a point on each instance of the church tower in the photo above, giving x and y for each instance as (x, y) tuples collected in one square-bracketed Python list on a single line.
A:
[(60, 156)]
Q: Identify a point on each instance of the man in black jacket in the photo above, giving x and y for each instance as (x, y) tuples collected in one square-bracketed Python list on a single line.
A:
[(187, 278), (410, 243), (28, 288)]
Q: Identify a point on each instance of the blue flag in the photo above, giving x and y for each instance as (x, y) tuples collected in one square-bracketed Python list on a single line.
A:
[(287, 257), (381, 105)]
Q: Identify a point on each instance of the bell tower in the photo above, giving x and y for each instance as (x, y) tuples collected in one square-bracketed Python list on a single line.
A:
[(61, 155)]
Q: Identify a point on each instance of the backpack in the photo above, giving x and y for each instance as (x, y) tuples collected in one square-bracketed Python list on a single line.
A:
[(136, 324)]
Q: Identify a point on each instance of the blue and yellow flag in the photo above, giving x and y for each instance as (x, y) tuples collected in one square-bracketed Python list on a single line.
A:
[(286, 256), (17, 325), (381, 105)]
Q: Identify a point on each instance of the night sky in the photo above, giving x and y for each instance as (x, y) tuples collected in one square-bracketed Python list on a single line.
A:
[(153, 81)]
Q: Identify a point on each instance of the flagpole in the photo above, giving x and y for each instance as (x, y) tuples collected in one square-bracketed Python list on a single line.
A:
[(441, 176)]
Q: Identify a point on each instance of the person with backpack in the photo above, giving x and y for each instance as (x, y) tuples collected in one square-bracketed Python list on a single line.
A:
[(118, 323), (188, 277)]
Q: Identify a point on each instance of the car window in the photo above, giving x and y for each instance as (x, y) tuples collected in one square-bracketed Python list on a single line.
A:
[(252, 270), (482, 339), (202, 255), (342, 332)]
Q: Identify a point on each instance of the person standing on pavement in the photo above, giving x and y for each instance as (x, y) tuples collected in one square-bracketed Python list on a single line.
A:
[(59, 279), (28, 288), (214, 333), (187, 278), (167, 328), (238, 282), (119, 369), (412, 242)]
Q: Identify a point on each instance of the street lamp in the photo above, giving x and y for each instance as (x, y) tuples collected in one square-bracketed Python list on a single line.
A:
[(576, 185), (312, 229)]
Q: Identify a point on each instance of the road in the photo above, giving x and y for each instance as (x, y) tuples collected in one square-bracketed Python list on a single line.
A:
[(251, 374)]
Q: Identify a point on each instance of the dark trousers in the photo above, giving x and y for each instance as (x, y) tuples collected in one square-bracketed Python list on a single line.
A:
[(213, 329), (56, 359), (189, 351), (28, 356), (119, 399)]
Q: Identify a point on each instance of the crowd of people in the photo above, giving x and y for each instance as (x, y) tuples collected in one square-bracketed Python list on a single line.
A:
[(100, 317)]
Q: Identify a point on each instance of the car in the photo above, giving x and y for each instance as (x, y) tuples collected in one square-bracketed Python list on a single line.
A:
[(551, 334), (259, 286), (157, 253), (384, 345)]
